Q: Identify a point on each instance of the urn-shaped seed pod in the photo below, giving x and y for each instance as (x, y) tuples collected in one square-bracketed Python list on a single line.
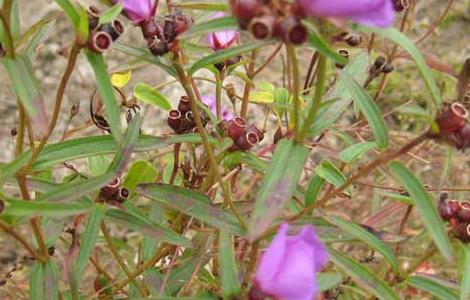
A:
[(93, 17), (353, 40), (454, 207), (463, 138), (187, 122), (452, 118), (245, 11), (262, 27), (464, 213), (345, 54), (174, 119), (247, 141), (110, 191), (123, 195), (257, 131), (291, 31), (236, 128), (99, 41), (462, 232), (400, 5), (158, 46), (114, 29), (444, 210), (150, 29), (184, 105)]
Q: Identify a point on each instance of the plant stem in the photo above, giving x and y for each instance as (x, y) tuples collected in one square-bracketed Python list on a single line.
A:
[(296, 90), (247, 89), (317, 98), (119, 260), (58, 104), (218, 95), (186, 83), (8, 229), (8, 40)]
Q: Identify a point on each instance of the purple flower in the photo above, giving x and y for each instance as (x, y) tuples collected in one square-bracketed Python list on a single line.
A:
[(138, 10), (210, 101), (378, 13), (288, 268), (221, 39)]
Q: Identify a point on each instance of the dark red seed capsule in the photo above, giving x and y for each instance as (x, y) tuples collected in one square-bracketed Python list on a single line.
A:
[(387, 69), (353, 40), (454, 207), (463, 138), (452, 118), (401, 5), (379, 62), (245, 11), (464, 213), (123, 195), (99, 41), (114, 29), (158, 46), (110, 191), (257, 131), (236, 128), (444, 210), (174, 119), (262, 27), (187, 122), (247, 141), (291, 31), (150, 29), (184, 105), (462, 232)]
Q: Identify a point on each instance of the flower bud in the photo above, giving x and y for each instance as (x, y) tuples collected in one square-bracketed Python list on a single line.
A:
[(462, 232), (150, 29), (345, 54), (257, 131), (158, 46), (245, 11), (174, 119), (400, 5), (247, 141), (114, 29), (291, 31), (452, 118), (99, 41), (184, 105), (464, 213), (123, 195), (236, 128), (262, 27)]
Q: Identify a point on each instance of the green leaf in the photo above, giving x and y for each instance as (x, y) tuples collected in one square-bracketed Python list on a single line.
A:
[(203, 5), (51, 280), (397, 37), (148, 94), (83, 28), (328, 171), (425, 207), (355, 151), (228, 268), (323, 47), (253, 162), (214, 25), (362, 275), (313, 190), (223, 55), (433, 287), (465, 282), (140, 172), (328, 115), (87, 241), (329, 280), (113, 114), (111, 13), (147, 227), (21, 208), (97, 165), (278, 186), (36, 282), (191, 203), (70, 10), (365, 236), (370, 110)]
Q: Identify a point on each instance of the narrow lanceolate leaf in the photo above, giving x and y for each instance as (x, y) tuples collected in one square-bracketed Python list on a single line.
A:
[(75, 190), (362, 275), (148, 94), (313, 190), (228, 267), (87, 241), (146, 227), (278, 185), (70, 10), (355, 151), (365, 236), (214, 25), (425, 207), (140, 172), (21, 208), (396, 36), (111, 14), (106, 90), (433, 287), (36, 282), (51, 280), (90, 146), (328, 171), (225, 54), (327, 281), (370, 110), (203, 5), (191, 203), (123, 156), (465, 282)]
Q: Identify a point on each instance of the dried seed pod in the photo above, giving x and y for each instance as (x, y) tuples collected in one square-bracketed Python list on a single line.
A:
[(232, 61), (114, 29), (247, 141), (464, 213), (463, 138), (158, 46), (93, 17), (454, 207), (236, 128), (379, 62), (174, 119), (184, 105), (444, 210), (462, 232), (150, 29), (262, 27), (291, 31), (123, 195), (452, 118), (345, 54), (99, 41), (353, 40), (257, 131), (110, 191), (245, 11), (401, 5), (387, 69), (187, 122)]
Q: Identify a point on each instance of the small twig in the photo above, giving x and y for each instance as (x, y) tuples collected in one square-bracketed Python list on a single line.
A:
[(9, 230)]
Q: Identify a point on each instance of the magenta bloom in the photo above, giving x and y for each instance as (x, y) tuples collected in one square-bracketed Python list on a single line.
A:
[(138, 10), (210, 101), (378, 13), (287, 270), (221, 39)]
